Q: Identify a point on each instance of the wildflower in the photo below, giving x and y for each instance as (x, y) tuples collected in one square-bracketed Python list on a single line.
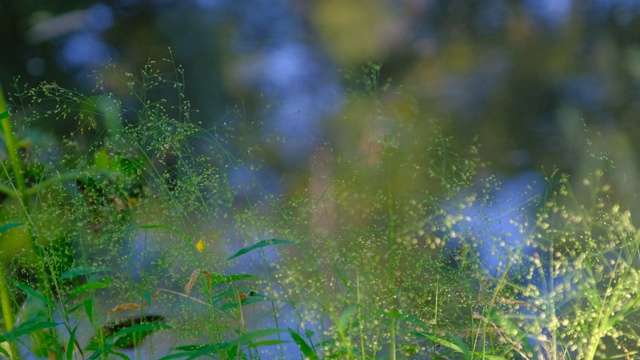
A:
[(200, 245)]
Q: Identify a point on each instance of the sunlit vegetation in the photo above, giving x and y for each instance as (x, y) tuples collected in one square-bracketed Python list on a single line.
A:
[(142, 233)]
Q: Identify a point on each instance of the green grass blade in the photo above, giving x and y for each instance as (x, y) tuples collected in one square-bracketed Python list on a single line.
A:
[(27, 328), (453, 344), (261, 244), (71, 344), (254, 335), (8, 226), (345, 317), (32, 292), (82, 270), (306, 350), (88, 287)]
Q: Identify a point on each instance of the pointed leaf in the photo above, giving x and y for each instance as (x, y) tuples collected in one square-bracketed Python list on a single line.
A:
[(88, 287), (31, 291), (81, 270), (345, 318), (254, 335), (261, 244), (305, 349), (342, 278), (8, 226), (454, 343), (71, 343)]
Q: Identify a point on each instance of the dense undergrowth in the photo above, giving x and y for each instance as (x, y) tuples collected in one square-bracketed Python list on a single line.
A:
[(129, 236)]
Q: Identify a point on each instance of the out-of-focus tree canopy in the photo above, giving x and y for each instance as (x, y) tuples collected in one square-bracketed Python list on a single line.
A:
[(523, 75)]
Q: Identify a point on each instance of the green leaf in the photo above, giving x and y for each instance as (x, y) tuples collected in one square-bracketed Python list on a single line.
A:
[(305, 349), (31, 291), (345, 318), (4, 352), (220, 279), (270, 342), (342, 278), (71, 343), (8, 226), (88, 309), (248, 338), (82, 270), (4, 115), (88, 287), (27, 328), (196, 351), (261, 244), (454, 343), (134, 335)]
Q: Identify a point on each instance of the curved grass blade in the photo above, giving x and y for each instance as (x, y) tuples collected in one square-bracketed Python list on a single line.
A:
[(81, 270), (305, 349), (71, 344), (32, 292), (27, 328), (8, 226), (345, 318), (453, 343), (95, 285), (261, 244), (132, 332)]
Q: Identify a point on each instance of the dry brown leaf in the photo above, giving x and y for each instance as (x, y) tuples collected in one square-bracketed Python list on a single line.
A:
[(192, 280), (126, 306), (208, 275)]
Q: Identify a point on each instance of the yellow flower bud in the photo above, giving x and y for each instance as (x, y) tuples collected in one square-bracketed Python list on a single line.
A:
[(200, 245)]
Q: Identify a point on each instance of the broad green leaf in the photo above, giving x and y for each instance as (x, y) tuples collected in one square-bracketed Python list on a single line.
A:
[(345, 318), (3, 351), (88, 309), (268, 343), (220, 279), (88, 287), (248, 338), (31, 291), (453, 343), (196, 351), (305, 349), (135, 334), (8, 226), (261, 244), (71, 344), (82, 270), (27, 328)]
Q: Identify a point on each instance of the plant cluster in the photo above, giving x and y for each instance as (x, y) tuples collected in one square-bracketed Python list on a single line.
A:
[(126, 239)]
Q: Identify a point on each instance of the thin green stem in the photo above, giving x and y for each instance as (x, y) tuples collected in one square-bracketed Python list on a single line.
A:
[(360, 324), (5, 297)]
